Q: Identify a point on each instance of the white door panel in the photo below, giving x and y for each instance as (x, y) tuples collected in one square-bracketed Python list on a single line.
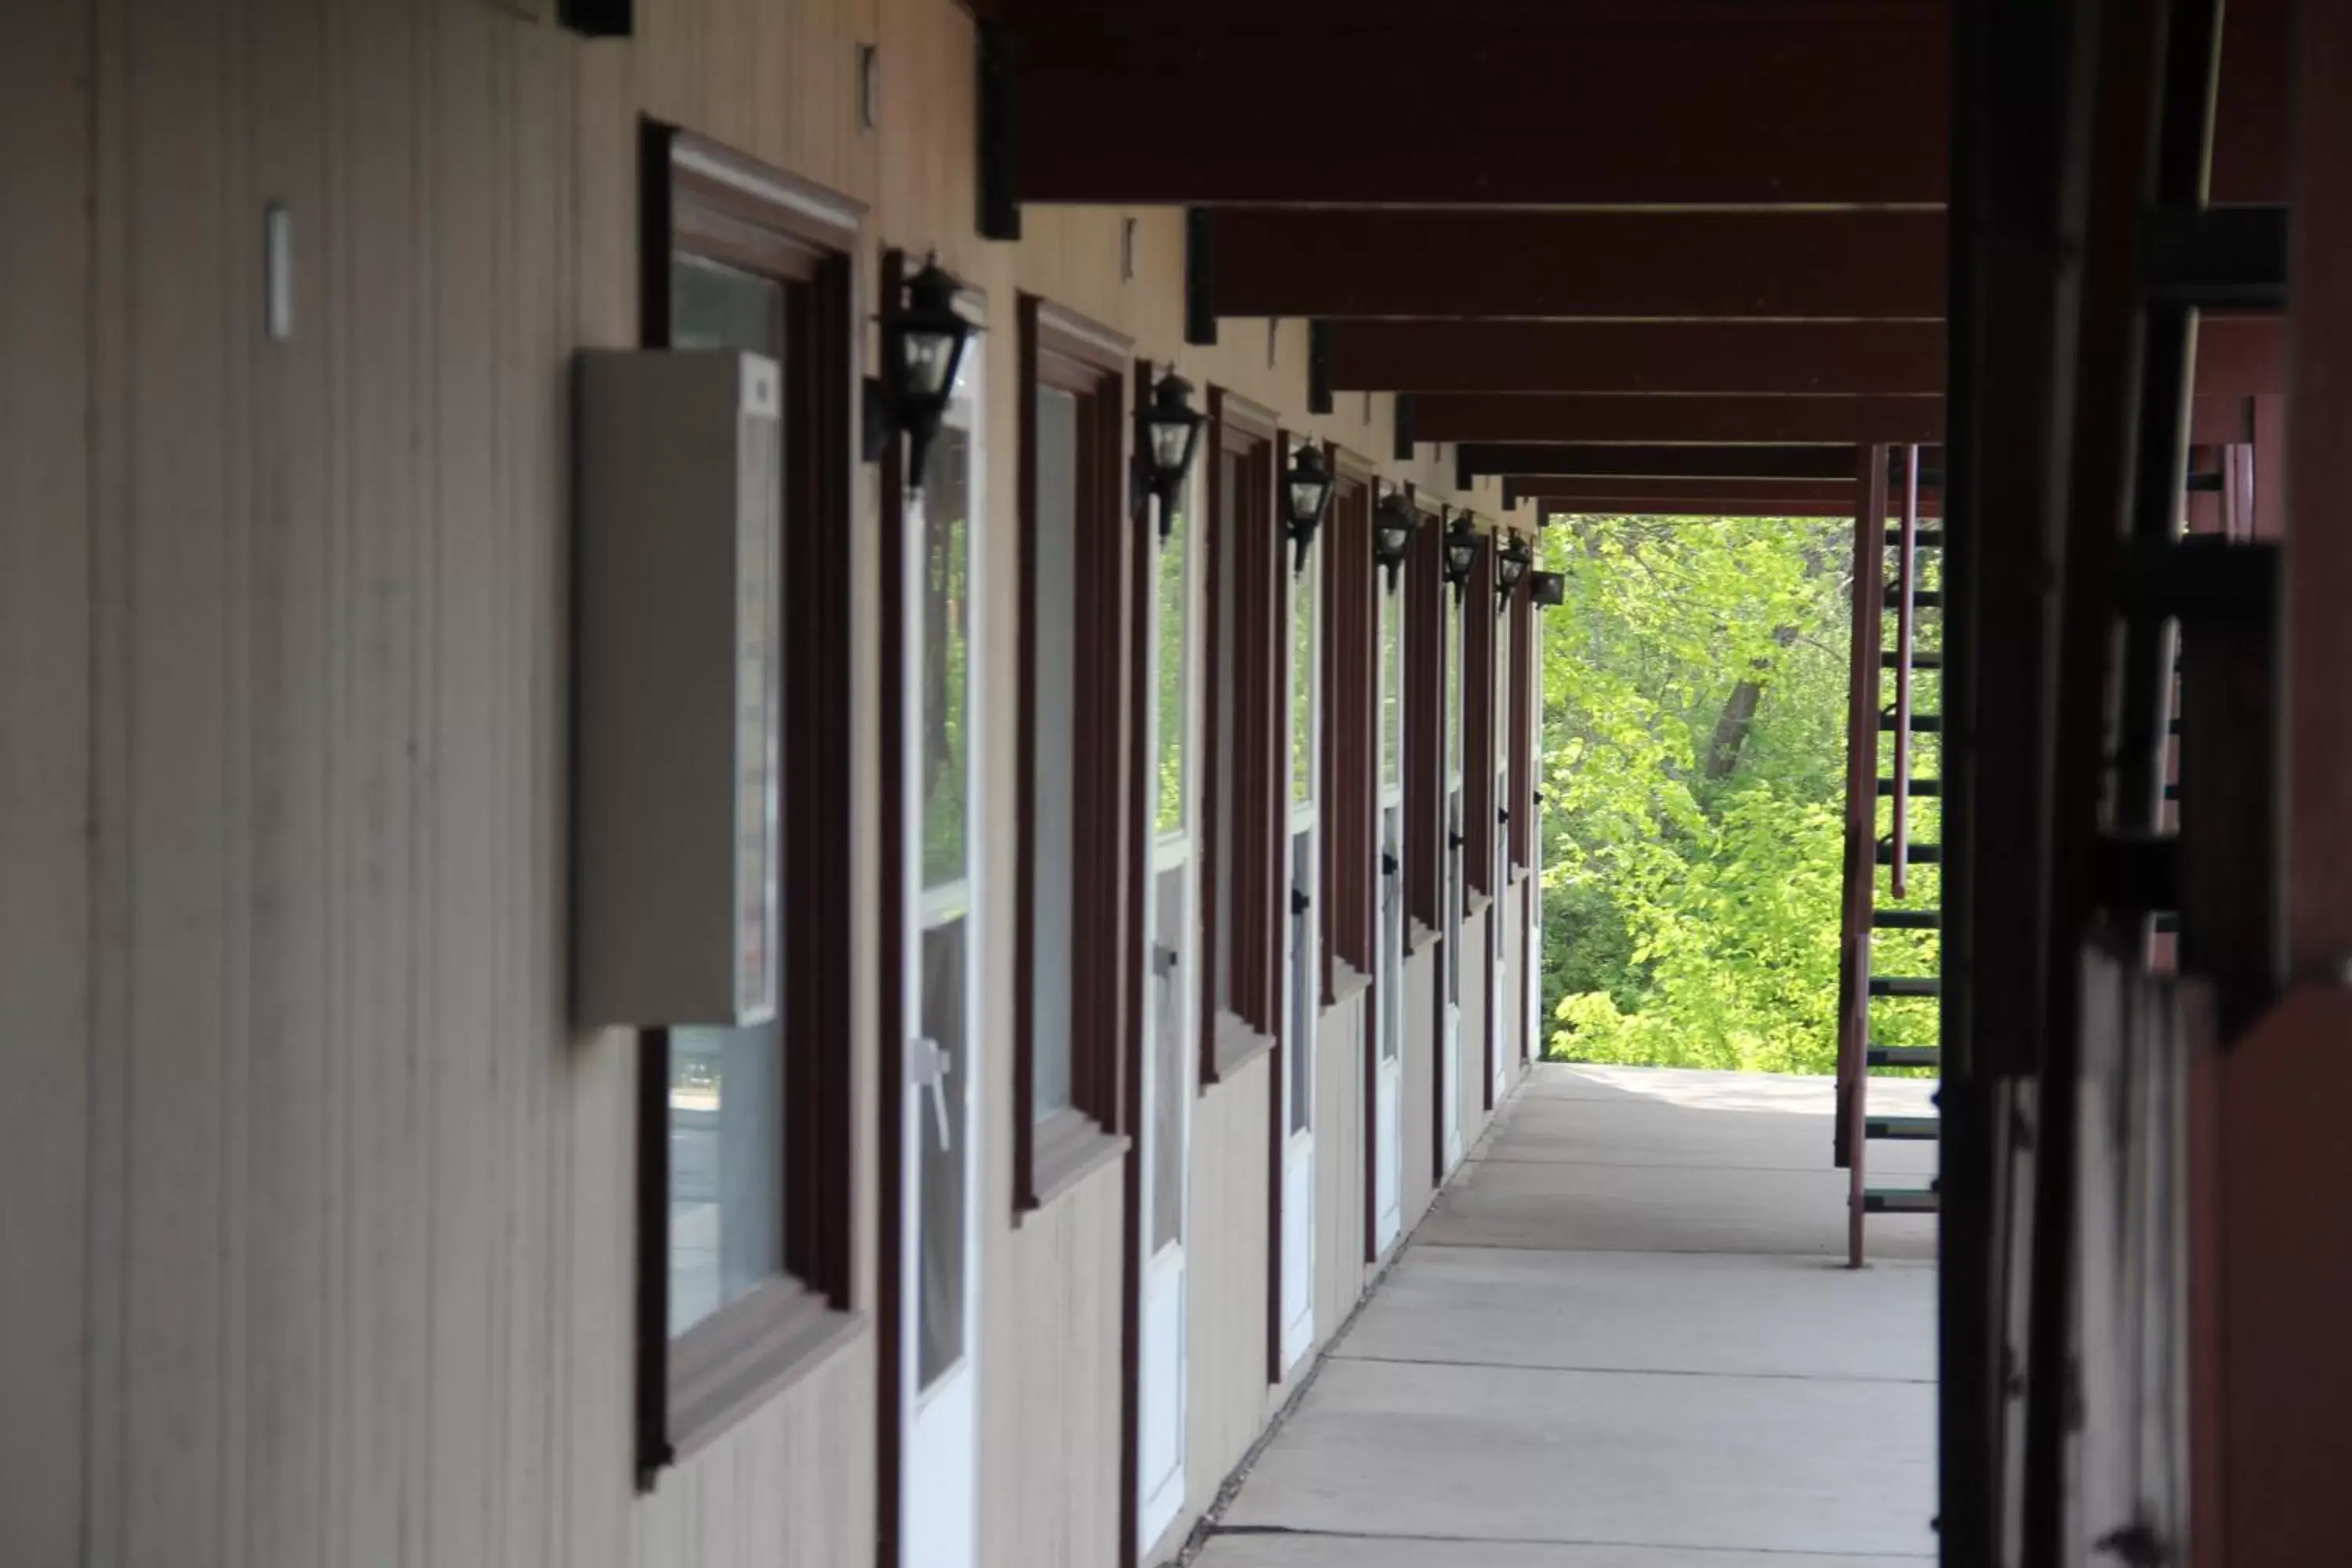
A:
[(942, 1117)]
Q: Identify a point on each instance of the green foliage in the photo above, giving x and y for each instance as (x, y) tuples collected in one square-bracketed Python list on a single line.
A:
[(1693, 920)]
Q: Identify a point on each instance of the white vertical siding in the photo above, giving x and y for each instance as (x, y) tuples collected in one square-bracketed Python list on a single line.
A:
[(329, 1213)]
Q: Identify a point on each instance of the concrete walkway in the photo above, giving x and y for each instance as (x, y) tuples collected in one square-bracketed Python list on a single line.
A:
[(1624, 1337)]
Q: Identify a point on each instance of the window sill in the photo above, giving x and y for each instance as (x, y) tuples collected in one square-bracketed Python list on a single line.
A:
[(1347, 983), (1233, 1046), (1068, 1147), (744, 1356)]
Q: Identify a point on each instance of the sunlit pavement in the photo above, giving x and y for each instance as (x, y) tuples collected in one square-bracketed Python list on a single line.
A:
[(1626, 1336)]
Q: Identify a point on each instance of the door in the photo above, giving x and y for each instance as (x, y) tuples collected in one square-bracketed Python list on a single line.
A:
[(1449, 1073), (1166, 1128), (1498, 874), (1303, 980), (1388, 1056), (941, 1116)]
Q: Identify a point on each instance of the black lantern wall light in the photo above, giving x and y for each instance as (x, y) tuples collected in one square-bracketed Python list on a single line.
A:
[(923, 340), (1461, 553), (1511, 565), (1392, 522), (1305, 494), (1166, 433)]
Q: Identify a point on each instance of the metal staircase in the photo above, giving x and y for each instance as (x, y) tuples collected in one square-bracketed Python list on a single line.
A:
[(1897, 577)]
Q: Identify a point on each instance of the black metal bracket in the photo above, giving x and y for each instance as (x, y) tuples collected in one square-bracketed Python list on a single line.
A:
[(1400, 447), (1318, 366), (1200, 276), (2227, 258), (598, 18), (999, 133), (2137, 874)]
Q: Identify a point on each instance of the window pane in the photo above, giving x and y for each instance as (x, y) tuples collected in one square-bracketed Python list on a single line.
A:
[(1055, 798), (725, 1168), (1229, 490), (945, 1169), (1452, 693), (1302, 988), (1393, 936), (1392, 691), (1302, 684), (715, 307), (1174, 555), (1171, 1080), (1502, 663), (946, 610)]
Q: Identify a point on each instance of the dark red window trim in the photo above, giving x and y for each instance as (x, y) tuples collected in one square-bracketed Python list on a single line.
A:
[(1241, 823), (1479, 804), (1520, 724), (701, 197), (1351, 737), (1060, 350), (1424, 589)]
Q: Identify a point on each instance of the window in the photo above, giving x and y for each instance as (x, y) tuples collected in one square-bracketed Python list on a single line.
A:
[(744, 1171), (1171, 813), (1354, 750), (1243, 874), (1477, 697), (1081, 842), (1428, 662), (1521, 721)]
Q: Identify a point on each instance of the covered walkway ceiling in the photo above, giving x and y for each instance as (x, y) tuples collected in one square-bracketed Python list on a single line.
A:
[(1609, 240)]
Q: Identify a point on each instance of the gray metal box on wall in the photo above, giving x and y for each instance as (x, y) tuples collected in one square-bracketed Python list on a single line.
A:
[(677, 724)]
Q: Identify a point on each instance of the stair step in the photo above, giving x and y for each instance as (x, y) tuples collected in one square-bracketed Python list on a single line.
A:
[(1899, 1200), (1920, 787), (1921, 723), (1918, 854), (1906, 986), (1902, 1128), (1903, 1056), (1907, 919), (1921, 658)]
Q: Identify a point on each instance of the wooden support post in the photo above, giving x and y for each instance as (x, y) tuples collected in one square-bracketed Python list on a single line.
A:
[(2319, 480), (1861, 818)]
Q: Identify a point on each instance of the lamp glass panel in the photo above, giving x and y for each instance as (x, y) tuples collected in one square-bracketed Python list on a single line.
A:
[(930, 356), (1168, 441)]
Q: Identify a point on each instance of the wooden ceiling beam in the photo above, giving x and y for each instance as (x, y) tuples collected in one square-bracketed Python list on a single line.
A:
[(1690, 506), (1578, 102), (1606, 416), (2236, 356), (1754, 465), (1565, 488), (1879, 358), (1333, 262), (1470, 416)]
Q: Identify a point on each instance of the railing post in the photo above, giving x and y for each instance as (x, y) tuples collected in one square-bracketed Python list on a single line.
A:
[(1862, 814)]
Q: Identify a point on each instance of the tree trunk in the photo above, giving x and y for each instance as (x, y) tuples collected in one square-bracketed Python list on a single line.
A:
[(1738, 716), (1731, 727)]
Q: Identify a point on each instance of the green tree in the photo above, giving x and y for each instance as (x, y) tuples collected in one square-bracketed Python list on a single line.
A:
[(1694, 763)]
